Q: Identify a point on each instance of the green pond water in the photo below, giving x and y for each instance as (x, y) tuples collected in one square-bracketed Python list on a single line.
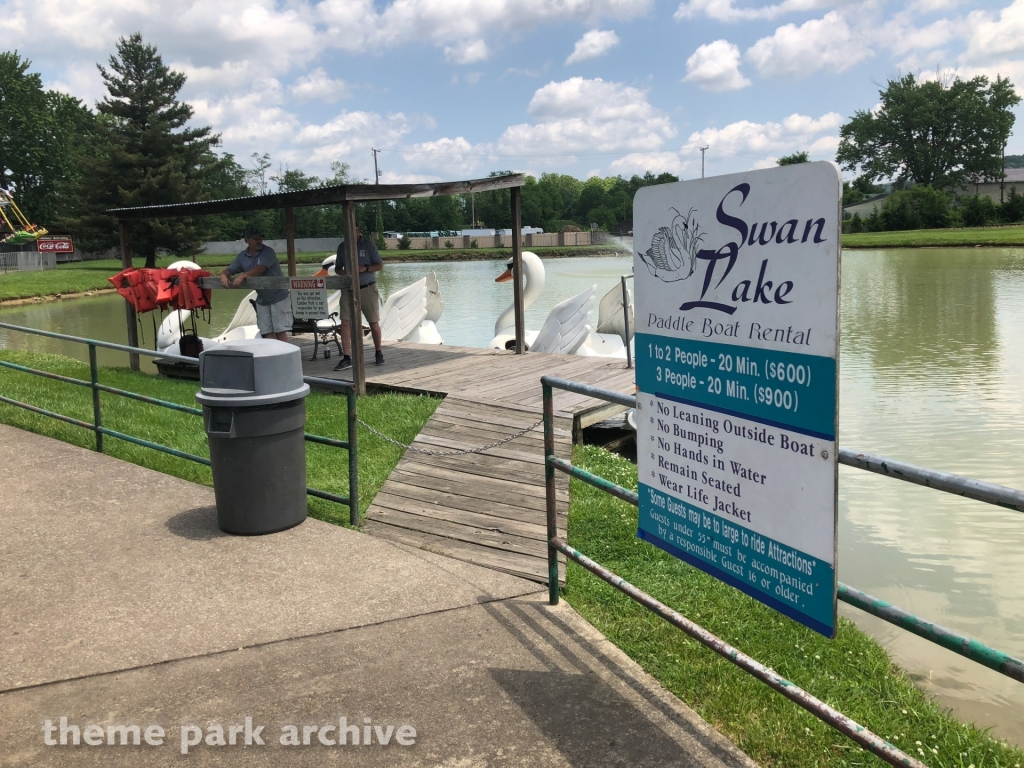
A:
[(931, 372)]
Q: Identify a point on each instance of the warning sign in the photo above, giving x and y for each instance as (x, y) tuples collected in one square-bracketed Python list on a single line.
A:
[(309, 298)]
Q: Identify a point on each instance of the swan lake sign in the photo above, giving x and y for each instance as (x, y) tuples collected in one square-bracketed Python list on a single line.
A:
[(737, 286)]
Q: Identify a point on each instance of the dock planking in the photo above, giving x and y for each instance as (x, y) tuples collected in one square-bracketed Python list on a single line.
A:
[(485, 508)]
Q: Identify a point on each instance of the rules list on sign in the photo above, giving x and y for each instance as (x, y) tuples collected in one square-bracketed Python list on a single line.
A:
[(737, 285)]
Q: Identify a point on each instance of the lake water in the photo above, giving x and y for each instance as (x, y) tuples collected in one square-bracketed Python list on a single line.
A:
[(931, 372)]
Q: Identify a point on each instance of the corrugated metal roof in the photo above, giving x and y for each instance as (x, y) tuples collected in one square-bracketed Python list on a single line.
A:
[(320, 196)]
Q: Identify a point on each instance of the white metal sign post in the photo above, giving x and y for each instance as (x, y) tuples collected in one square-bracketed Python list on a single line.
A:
[(737, 285), (309, 298)]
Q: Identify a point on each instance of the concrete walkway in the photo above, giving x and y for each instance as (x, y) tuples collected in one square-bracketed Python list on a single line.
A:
[(122, 604)]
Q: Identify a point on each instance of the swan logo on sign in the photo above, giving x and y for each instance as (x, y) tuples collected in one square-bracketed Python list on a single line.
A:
[(736, 377), (673, 252)]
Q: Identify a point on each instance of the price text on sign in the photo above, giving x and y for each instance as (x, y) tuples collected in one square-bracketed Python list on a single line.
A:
[(62, 245), (737, 284), (309, 298)]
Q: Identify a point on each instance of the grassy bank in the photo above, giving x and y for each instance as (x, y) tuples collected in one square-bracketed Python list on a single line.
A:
[(85, 276), (937, 238), (852, 672), (66, 278), (401, 416)]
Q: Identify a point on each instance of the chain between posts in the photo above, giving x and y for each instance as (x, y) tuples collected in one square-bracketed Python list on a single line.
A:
[(461, 452)]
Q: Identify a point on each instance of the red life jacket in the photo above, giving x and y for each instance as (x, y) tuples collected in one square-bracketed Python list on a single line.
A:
[(122, 282), (191, 295), (167, 288), (145, 284)]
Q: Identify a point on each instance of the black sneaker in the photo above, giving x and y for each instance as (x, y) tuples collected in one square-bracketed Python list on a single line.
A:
[(346, 362), (379, 358)]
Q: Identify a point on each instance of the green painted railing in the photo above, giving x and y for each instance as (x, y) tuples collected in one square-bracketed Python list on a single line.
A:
[(947, 638), (96, 426)]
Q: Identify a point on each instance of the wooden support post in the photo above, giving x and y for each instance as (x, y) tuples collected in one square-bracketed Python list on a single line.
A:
[(517, 269), (133, 328), (356, 317), (289, 233)]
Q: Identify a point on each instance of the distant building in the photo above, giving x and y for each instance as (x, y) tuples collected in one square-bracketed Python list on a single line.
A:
[(865, 207), (996, 189), (479, 232)]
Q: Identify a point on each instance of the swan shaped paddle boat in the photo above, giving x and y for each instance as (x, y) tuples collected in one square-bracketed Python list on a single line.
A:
[(410, 314), (242, 325), (567, 330)]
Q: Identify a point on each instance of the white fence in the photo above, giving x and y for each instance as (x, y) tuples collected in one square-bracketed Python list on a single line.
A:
[(27, 261)]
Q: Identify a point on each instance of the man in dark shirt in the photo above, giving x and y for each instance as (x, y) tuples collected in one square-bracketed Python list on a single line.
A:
[(370, 264), (273, 306)]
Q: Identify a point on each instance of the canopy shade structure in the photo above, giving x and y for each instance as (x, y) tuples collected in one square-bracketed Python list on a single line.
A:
[(345, 195)]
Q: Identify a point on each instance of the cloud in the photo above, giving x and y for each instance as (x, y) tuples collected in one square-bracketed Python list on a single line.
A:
[(348, 134), (357, 25), (467, 52), (580, 116), (457, 157), (825, 43), (716, 67), (594, 43), (724, 10), (995, 38), (573, 117), (901, 35), (317, 85), (655, 162), (794, 134)]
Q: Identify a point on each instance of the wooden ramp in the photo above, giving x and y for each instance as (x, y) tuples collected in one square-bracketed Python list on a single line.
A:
[(487, 508)]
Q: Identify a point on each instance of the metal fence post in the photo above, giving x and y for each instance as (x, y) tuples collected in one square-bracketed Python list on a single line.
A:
[(353, 461), (549, 492), (625, 321), (97, 415)]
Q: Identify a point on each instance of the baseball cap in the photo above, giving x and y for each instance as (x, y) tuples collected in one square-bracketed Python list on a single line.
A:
[(253, 231)]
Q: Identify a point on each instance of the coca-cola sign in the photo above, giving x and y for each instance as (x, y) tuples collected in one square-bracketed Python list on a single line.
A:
[(55, 245)]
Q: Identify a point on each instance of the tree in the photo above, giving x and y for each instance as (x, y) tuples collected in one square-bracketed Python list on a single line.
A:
[(937, 133), (43, 137), (226, 179), (795, 159), (151, 157), (920, 207)]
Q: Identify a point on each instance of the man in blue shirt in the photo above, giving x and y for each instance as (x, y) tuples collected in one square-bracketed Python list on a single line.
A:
[(273, 305), (370, 264)]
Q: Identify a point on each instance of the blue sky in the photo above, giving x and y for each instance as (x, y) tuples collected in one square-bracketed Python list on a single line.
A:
[(457, 88)]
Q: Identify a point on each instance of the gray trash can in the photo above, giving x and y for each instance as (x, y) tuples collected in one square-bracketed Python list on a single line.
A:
[(254, 409)]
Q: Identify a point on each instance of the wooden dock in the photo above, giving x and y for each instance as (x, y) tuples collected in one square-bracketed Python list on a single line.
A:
[(486, 508)]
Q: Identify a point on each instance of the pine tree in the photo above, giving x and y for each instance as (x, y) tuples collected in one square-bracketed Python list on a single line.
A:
[(150, 156)]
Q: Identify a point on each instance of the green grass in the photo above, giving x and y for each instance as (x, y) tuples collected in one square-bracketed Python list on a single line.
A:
[(950, 238), (66, 278), (399, 415), (852, 673), (83, 276)]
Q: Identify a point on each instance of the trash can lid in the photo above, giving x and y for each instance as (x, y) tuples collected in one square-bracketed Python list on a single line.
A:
[(251, 372)]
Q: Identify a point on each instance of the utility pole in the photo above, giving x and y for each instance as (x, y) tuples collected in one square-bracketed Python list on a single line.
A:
[(702, 150), (376, 180)]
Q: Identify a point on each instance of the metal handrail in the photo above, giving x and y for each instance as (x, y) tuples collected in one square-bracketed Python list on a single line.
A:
[(954, 641), (958, 485), (351, 501)]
